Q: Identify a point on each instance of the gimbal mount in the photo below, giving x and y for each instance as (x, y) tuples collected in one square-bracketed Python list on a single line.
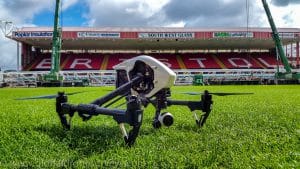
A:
[(161, 101)]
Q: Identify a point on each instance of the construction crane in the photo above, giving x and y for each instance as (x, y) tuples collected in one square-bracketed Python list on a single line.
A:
[(54, 78), (289, 74)]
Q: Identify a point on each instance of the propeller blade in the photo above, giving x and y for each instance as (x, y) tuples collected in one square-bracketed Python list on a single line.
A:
[(229, 94), (47, 96), (69, 94), (216, 93), (192, 93), (37, 97)]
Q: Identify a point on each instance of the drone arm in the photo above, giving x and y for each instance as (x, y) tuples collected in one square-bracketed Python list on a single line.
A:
[(192, 105), (119, 91), (132, 116), (204, 105)]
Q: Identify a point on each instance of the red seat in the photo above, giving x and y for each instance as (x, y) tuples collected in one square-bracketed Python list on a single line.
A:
[(115, 59), (199, 61), (86, 61), (268, 60), (239, 61), (82, 62)]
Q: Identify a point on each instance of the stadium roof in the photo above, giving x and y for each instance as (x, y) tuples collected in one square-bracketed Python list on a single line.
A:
[(157, 29), (155, 38)]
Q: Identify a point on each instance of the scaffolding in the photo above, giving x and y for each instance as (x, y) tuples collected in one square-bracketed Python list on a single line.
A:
[(108, 77), (20, 79)]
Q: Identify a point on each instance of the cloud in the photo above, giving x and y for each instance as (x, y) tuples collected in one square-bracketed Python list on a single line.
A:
[(8, 53), (123, 13), (212, 13), (285, 2), (286, 16), (68, 3), (188, 13), (21, 13)]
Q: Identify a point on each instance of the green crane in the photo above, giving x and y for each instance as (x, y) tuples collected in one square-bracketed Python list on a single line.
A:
[(288, 75), (53, 76)]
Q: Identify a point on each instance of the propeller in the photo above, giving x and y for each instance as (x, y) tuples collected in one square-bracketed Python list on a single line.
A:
[(216, 93), (47, 96)]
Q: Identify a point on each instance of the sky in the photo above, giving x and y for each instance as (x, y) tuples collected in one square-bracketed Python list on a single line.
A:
[(141, 13)]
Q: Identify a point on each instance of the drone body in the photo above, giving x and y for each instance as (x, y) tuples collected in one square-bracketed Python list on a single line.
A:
[(158, 74), (142, 80)]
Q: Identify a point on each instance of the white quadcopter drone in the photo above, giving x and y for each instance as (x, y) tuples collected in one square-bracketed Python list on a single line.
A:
[(142, 80)]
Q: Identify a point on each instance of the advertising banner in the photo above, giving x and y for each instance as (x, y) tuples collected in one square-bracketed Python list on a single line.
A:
[(98, 35), (286, 35), (32, 34), (233, 34), (165, 35)]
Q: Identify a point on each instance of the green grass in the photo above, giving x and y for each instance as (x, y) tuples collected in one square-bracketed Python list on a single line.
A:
[(253, 131)]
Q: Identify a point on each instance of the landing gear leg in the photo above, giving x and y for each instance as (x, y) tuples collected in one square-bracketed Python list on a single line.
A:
[(156, 123)]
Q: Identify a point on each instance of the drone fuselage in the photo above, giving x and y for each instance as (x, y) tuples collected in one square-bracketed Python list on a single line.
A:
[(157, 76)]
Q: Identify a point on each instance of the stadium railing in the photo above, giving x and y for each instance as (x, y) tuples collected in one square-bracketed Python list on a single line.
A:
[(184, 77)]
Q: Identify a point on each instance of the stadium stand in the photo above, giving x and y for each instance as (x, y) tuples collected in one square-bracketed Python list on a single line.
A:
[(94, 61), (221, 55)]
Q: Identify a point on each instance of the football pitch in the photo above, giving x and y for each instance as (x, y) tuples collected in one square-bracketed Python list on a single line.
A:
[(249, 131)]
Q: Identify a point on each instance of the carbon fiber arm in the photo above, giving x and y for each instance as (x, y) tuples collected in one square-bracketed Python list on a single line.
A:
[(133, 115)]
